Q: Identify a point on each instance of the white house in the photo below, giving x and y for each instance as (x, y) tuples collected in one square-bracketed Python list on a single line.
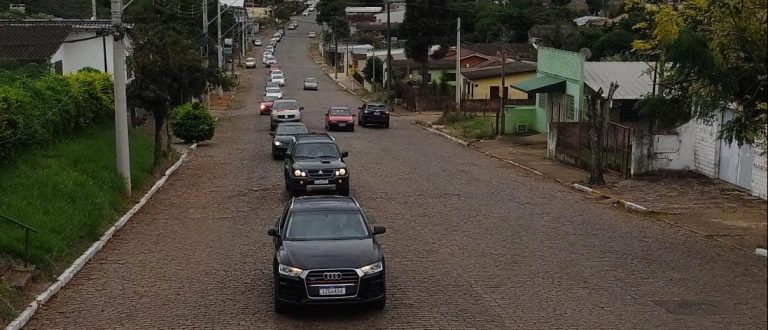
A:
[(69, 45)]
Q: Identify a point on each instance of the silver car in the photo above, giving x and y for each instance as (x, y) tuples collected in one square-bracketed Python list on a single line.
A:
[(284, 111), (310, 84)]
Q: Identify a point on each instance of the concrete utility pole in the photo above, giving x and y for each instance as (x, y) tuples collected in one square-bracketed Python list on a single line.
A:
[(93, 9), (500, 115), (335, 57), (220, 51), (459, 80), (390, 106), (121, 108), (205, 29)]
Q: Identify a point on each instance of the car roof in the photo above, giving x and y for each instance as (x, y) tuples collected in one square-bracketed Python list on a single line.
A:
[(307, 203), (315, 137), (377, 105), (338, 108)]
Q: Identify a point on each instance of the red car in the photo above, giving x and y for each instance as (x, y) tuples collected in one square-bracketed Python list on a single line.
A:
[(266, 105), (339, 118)]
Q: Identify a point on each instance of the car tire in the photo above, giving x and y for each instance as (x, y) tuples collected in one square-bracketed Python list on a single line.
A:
[(386, 125), (275, 156), (352, 129), (280, 308)]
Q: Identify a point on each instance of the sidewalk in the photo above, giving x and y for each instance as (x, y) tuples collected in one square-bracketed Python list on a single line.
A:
[(709, 207)]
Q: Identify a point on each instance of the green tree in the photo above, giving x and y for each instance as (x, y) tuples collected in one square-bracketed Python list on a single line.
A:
[(427, 23), (374, 67), (717, 54)]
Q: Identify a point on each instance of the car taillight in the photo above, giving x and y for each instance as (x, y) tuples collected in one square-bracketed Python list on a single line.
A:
[(263, 106)]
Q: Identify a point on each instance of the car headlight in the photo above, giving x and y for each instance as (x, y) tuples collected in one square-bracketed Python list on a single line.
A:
[(289, 271), (278, 143), (341, 172), (299, 173), (372, 268)]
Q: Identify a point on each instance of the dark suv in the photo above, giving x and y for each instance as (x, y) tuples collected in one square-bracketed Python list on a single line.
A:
[(314, 162), (326, 253), (373, 114)]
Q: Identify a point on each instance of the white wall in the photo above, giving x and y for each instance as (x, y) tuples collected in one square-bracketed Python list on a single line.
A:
[(759, 177), (706, 153), (86, 53), (675, 151)]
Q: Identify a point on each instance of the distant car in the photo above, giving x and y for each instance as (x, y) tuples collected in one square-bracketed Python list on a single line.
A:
[(284, 111), (339, 118), (306, 13), (373, 114), (325, 252), (284, 137), (274, 68), (312, 35), (270, 49), (310, 84), (291, 27), (266, 104), (278, 78), (311, 9), (270, 61), (277, 36), (281, 32), (257, 42), (271, 84), (250, 63), (275, 92)]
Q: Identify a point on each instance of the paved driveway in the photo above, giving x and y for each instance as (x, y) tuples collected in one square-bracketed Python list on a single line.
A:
[(471, 242)]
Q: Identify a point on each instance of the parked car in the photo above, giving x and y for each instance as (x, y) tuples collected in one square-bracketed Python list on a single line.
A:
[(284, 111), (275, 68), (250, 63), (278, 78), (326, 252), (277, 36), (310, 84), (316, 163), (281, 32), (312, 34), (339, 118), (284, 136), (373, 114), (306, 13), (275, 92), (270, 60), (266, 104), (311, 9), (291, 27), (269, 49), (257, 42)]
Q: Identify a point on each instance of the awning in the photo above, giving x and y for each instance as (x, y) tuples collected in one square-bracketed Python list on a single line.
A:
[(543, 84)]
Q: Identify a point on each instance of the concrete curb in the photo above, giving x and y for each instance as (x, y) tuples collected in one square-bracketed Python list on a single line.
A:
[(434, 131), (761, 252), (78, 264)]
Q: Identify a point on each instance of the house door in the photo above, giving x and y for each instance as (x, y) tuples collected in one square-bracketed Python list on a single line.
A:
[(736, 162), (495, 92)]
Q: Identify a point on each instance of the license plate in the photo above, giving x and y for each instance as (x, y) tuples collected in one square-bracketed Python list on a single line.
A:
[(332, 291), (377, 113), (322, 182), (342, 125)]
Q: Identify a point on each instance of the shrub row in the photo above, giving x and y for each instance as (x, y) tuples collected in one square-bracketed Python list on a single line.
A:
[(35, 108)]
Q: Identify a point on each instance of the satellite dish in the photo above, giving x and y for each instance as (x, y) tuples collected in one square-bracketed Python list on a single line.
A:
[(586, 52)]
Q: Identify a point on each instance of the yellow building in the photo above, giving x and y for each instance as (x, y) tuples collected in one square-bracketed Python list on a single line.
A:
[(485, 82)]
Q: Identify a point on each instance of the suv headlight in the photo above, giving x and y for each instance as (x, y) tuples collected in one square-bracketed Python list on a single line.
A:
[(299, 173), (372, 268), (341, 171), (289, 271), (278, 143)]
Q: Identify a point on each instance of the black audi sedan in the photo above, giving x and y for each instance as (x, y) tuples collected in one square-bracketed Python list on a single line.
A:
[(326, 253)]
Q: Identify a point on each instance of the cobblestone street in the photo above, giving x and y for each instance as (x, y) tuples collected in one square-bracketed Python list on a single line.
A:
[(471, 242)]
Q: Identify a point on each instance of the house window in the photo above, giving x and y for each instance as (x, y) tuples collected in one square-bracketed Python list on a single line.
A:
[(570, 110), (494, 92), (543, 101), (449, 76), (58, 67)]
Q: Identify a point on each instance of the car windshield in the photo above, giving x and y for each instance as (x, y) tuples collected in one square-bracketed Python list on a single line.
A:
[(325, 225), (273, 90), (270, 57), (272, 84), (340, 112), (277, 76), (316, 150), (269, 99), (250, 59), (377, 106), (286, 105), (290, 129), (311, 80)]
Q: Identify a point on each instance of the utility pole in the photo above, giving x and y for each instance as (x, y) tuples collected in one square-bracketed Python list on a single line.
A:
[(220, 51), (390, 106), (459, 80), (500, 115), (121, 108), (335, 56), (205, 29), (93, 9)]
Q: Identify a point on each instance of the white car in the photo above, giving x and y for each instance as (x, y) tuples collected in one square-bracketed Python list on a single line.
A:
[(250, 63), (257, 42), (306, 13), (278, 78), (312, 35), (270, 61), (274, 92)]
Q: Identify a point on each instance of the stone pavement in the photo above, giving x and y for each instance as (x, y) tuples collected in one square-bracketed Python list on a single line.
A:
[(710, 207)]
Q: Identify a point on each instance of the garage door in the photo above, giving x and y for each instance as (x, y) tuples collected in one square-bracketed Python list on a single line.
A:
[(736, 162)]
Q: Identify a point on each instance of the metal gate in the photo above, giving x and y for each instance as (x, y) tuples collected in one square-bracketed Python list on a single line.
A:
[(572, 146)]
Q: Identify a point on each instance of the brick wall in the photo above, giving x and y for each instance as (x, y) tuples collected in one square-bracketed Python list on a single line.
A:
[(706, 152), (759, 178)]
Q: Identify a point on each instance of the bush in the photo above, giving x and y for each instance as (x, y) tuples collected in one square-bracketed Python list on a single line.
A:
[(37, 107), (192, 123)]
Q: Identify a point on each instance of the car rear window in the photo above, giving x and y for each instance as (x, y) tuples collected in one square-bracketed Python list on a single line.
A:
[(340, 112), (273, 90), (326, 225), (291, 129)]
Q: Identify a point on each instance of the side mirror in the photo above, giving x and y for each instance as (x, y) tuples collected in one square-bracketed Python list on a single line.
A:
[(301, 108), (345, 154), (274, 233), (354, 115), (272, 133), (378, 230)]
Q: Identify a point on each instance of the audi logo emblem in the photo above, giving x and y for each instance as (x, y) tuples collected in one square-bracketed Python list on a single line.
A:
[(332, 276)]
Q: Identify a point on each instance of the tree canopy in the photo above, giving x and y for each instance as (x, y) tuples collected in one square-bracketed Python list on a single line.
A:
[(427, 23)]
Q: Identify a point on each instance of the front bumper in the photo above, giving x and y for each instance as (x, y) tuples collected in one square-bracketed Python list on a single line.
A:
[(374, 119), (310, 88), (279, 150), (307, 184), (341, 125), (294, 291)]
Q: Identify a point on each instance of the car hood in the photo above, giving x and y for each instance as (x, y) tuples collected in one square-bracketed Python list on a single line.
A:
[(286, 112), (329, 254), (318, 164), (340, 118), (285, 139), (310, 83)]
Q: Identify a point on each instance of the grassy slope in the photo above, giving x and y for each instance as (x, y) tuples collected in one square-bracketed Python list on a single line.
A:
[(469, 127), (69, 191)]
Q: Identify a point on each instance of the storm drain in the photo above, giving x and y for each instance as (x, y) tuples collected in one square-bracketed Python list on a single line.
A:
[(693, 307)]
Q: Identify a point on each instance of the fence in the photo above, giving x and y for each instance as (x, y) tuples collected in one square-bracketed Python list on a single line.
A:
[(26, 229), (491, 106), (416, 99)]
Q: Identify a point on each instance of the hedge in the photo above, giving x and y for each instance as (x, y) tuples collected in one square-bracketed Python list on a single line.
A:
[(36, 108)]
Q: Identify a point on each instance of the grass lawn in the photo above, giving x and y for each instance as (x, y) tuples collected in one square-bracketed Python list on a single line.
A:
[(469, 127), (70, 192)]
